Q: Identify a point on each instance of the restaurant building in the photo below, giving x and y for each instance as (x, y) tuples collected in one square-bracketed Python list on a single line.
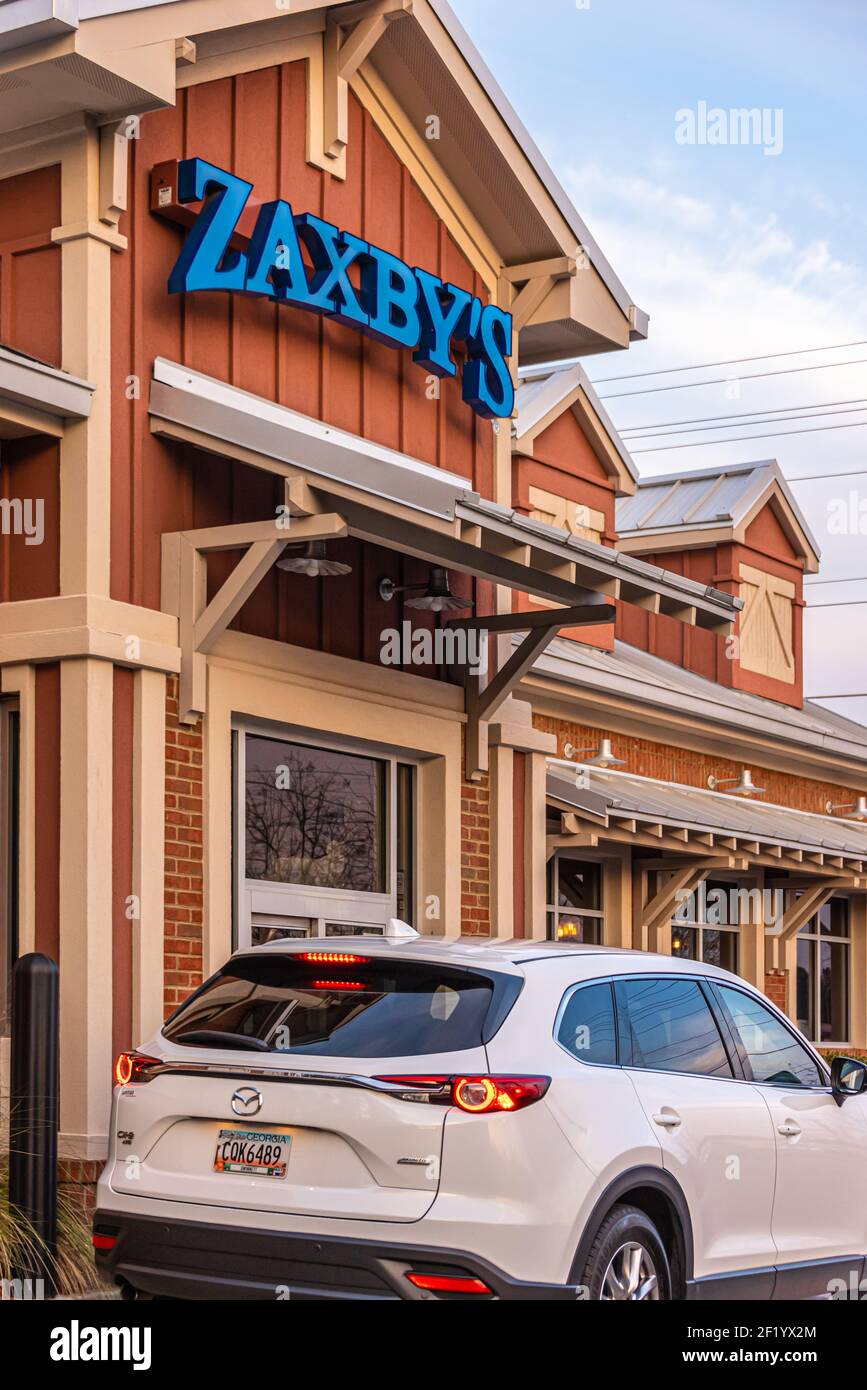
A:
[(328, 595)]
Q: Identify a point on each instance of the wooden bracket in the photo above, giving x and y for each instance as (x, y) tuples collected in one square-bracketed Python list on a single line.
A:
[(185, 574), (659, 911), (482, 702), (345, 51), (798, 914)]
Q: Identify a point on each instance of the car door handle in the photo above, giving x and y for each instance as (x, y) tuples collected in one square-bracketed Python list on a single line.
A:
[(667, 1119), (789, 1130)]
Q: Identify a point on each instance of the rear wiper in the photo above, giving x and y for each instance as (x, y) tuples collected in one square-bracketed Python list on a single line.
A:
[(212, 1038)]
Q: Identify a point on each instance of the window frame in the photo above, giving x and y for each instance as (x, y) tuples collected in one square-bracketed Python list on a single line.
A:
[(561, 1012), (344, 911), (813, 933), (795, 1034), (553, 911)]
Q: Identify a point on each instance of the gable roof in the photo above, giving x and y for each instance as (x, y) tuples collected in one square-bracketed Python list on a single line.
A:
[(543, 396), (110, 56), (691, 509)]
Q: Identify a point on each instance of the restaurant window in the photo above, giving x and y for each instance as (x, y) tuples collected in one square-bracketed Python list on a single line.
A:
[(575, 910), (9, 828), (324, 838), (706, 926), (823, 974)]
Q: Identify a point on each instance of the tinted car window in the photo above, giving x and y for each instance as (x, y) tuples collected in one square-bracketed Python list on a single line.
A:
[(587, 1025), (773, 1054), (365, 1008), (668, 1026)]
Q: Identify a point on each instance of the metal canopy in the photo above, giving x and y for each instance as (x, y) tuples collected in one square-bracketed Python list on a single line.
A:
[(391, 499), (38, 399), (690, 820)]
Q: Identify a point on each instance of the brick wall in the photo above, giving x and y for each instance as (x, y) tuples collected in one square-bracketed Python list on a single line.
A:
[(184, 899), (775, 987), (476, 857), (668, 763)]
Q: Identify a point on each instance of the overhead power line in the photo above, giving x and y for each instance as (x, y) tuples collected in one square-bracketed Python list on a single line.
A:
[(725, 380), (854, 579), (730, 362), (858, 402), (820, 477), (746, 424), (738, 439)]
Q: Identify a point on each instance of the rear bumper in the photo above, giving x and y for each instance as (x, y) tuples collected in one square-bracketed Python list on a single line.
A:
[(201, 1260)]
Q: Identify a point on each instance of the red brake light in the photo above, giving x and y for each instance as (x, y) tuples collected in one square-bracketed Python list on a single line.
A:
[(448, 1283), (101, 1242), (337, 984), (132, 1067), (480, 1095), (332, 958)]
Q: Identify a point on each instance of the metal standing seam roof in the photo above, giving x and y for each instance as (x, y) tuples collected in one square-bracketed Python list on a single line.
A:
[(693, 808), (634, 674), (703, 500)]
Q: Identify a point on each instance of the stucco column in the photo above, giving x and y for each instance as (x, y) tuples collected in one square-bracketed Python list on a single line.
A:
[(513, 732), (86, 695), (148, 856), (858, 971), (502, 773)]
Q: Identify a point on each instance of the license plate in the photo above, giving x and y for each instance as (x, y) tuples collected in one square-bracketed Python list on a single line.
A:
[(257, 1152)]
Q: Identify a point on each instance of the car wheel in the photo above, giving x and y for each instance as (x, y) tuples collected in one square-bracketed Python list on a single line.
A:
[(627, 1260)]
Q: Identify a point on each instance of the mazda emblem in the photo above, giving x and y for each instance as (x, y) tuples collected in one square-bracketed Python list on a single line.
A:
[(247, 1101)]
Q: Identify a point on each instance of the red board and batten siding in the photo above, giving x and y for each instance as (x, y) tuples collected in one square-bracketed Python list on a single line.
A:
[(254, 124)]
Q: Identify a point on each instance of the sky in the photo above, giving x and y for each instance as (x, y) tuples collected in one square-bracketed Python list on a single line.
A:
[(732, 249)]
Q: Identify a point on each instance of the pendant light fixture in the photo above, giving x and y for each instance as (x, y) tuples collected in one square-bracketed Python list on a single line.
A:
[(313, 562)]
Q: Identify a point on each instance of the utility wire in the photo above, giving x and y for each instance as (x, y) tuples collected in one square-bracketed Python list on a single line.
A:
[(725, 380), (855, 579), (738, 439), (849, 603), (730, 362), (820, 477), (860, 402), (663, 433)]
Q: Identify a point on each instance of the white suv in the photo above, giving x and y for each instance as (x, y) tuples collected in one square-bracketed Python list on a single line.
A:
[(365, 1118)]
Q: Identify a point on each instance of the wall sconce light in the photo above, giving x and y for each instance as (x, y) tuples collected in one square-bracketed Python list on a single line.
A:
[(853, 810), (437, 596), (313, 562), (740, 786), (603, 756)]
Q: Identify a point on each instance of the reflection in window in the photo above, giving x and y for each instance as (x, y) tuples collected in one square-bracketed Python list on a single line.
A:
[(706, 926), (822, 983), (775, 1056), (587, 1026), (314, 817), (670, 1027)]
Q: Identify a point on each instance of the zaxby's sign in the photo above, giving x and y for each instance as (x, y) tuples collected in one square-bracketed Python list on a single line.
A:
[(397, 304)]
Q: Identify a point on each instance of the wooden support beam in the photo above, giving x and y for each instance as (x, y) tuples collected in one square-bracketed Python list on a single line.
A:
[(344, 53), (579, 615), (558, 268), (529, 299), (663, 905), (200, 623), (811, 901)]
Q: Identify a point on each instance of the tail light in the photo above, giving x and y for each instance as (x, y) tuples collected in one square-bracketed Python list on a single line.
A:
[(332, 958), (477, 1095), (134, 1067), (103, 1242)]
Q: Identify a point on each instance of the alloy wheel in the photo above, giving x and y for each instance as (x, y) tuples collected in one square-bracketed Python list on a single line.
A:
[(631, 1275)]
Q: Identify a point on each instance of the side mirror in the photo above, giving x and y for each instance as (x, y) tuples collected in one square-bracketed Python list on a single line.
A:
[(848, 1078)]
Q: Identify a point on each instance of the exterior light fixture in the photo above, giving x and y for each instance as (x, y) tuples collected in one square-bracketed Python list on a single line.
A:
[(603, 756), (853, 810), (313, 562), (436, 598), (740, 786)]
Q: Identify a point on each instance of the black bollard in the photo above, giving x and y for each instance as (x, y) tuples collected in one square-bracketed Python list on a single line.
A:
[(34, 1113)]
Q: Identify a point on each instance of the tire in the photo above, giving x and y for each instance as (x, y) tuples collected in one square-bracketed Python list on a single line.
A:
[(627, 1261)]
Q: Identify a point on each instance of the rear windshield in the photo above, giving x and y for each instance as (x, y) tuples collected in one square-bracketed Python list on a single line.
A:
[(369, 1008)]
